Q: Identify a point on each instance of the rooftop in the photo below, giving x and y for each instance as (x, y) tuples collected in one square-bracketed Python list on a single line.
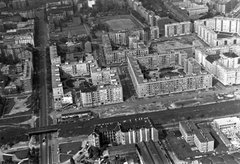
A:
[(227, 120), (188, 126), (203, 135), (124, 125), (212, 58), (152, 153), (230, 54), (221, 35)]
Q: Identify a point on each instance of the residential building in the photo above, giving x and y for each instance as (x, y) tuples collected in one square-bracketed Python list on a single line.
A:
[(218, 31), (125, 132), (154, 83), (27, 76), (191, 66), (138, 48), (76, 68), (177, 29), (198, 137), (225, 6), (57, 86), (223, 65), (203, 140), (105, 88), (154, 32), (187, 130)]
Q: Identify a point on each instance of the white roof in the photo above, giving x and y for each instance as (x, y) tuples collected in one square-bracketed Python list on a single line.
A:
[(227, 120)]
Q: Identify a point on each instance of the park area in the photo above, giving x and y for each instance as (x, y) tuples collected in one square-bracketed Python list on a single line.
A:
[(17, 106)]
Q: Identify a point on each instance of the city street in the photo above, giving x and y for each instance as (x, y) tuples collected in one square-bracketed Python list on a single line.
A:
[(43, 113)]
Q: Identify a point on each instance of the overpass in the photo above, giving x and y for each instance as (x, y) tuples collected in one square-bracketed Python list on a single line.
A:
[(42, 130)]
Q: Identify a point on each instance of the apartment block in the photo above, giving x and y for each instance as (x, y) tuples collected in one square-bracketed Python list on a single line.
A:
[(27, 76), (104, 88), (23, 34), (57, 86), (223, 65), (154, 32), (191, 66), (198, 137), (187, 128), (177, 29), (164, 60), (124, 132), (218, 31), (225, 6), (154, 83), (138, 48)]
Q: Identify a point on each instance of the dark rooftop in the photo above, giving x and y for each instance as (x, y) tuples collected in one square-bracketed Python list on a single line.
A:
[(230, 54), (124, 125), (212, 58), (221, 35)]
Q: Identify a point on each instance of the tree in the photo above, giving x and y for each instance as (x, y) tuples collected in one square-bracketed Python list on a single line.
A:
[(72, 161)]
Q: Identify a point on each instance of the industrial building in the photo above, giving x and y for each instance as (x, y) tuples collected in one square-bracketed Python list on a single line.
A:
[(228, 130), (218, 31), (157, 83), (126, 132), (201, 138), (224, 64), (152, 152), (227, 122), (177, 29)]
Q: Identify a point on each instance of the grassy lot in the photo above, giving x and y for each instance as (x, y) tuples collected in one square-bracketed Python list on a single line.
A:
[(74, 147), (21, 154), (12, 135), (65, 157), (9, 105), (12, 121)]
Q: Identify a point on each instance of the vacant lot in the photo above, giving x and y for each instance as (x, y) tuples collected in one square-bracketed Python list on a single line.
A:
[(121, 24)]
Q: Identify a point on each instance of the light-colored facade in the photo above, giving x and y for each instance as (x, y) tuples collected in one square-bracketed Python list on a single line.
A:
[(106, 89), (227, 122), (177, 29), (138, 48), (57, 86), (218, 31), (27, 76), (157, 85), (225, 66), (194, 136), (123, 133), (154, 32)]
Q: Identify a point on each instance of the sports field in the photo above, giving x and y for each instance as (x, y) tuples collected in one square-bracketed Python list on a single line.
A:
[(121, 24)]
